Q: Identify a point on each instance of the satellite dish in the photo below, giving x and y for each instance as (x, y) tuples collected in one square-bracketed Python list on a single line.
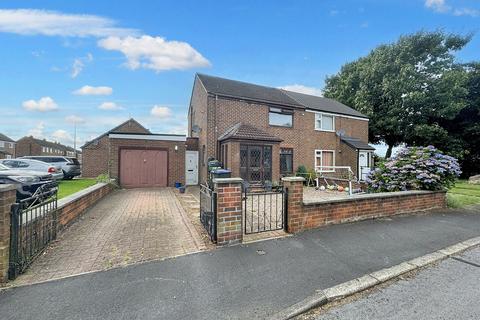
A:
[(341, 132), (196, 129)]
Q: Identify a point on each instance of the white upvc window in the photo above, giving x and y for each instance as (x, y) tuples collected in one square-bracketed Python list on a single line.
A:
[(324, 122), (325, 160), (2, 144)]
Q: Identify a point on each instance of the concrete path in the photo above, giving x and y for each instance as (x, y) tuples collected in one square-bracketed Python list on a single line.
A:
[(242, 282), (128, 226), (446, 291)]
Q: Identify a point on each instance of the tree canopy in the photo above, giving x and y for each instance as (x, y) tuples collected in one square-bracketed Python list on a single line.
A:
[(411, 90)]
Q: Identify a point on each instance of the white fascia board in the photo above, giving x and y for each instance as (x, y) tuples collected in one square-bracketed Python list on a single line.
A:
[(147, 137), (337, 115)]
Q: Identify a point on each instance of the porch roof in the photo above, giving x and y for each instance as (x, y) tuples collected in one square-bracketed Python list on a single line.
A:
[(242, 131), (356, 143)]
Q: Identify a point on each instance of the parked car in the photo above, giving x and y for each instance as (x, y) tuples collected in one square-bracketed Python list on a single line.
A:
[(27, 182), (70, 166), (34, 165)]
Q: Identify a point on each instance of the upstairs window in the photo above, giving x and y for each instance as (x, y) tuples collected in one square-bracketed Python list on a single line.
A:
[(280, 117), (324, 122)]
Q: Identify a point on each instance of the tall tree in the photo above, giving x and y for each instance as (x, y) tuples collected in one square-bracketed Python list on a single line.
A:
[(408, 88)]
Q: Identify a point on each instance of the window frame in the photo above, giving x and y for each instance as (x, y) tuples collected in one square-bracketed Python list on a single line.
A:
[(321, 160), (320, 115), (281, 111), (286, 154)]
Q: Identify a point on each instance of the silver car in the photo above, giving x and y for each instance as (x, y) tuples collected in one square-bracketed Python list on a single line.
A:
[(34, 165), (70, 166)]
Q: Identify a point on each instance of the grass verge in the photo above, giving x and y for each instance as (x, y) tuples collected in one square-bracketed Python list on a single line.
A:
[(68, 187), (463, 194)]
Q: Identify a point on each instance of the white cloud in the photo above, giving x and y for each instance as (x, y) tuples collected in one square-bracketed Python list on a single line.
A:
[(54, 23), (37, 131), (62, 136), (79, 64), (93, 91), (109, 106), (441, 6), (155, 53), (43, 105), (303, 89), (161, 112), (74, 119)]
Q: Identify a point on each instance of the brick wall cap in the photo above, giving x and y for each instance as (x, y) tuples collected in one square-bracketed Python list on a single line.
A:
[(380, 195), (7, 187), (227, 180), (80, 194), (293, 179)]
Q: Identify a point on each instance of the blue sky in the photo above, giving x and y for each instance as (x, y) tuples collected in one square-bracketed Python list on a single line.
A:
[(97, 63)]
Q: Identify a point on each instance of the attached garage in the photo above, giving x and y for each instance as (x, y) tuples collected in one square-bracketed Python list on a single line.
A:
[(143, 167), (138, 158)]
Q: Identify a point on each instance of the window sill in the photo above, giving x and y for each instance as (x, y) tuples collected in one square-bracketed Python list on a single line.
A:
[(278, 126), (324, 130)]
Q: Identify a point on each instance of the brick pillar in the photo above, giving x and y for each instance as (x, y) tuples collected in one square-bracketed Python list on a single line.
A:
[(229, 211), (294, 186), (7, 198)]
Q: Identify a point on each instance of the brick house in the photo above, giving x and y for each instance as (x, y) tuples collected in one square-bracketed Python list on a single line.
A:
[(7, 147), (30, 146), (137, 157), (263, 133)]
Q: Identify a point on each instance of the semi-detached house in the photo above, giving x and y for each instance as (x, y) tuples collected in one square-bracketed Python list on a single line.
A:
[(263, 133)]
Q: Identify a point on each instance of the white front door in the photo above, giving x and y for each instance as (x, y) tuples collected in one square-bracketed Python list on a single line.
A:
[(191, 168), (363, 164)]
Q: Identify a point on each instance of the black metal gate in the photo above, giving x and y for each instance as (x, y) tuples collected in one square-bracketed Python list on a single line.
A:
[(264, 211), (208, 211), (33, 225)]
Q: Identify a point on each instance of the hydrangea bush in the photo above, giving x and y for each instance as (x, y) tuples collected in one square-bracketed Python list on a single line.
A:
[(415, 168)]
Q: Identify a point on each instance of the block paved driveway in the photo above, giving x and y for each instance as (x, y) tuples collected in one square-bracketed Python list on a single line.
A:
[(127, 226)]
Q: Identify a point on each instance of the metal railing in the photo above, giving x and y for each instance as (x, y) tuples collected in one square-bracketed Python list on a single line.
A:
[(264, 210), (208, 208), (33, 226)]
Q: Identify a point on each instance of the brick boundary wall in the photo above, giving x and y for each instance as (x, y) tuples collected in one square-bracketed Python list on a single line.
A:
[(313, 214), (72, 207), (229, 211), (7, 198)]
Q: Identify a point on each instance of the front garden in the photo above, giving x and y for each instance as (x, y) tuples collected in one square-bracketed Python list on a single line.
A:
[(463, 194), (68, 187)]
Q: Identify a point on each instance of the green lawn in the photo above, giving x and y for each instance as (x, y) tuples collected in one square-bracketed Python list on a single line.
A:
[(463, 194), (67, 187)]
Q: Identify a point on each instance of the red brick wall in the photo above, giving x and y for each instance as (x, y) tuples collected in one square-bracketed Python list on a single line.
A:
[(28, 147), (7, 198), (313, 215), (176, 158), (70, 211), (229, 213)]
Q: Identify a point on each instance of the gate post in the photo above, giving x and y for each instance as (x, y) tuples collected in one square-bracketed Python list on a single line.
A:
[(294, 187), (7, 199), (229, 210)]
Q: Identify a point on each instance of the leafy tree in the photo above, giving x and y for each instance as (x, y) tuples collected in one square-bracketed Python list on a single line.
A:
[(409, 89)]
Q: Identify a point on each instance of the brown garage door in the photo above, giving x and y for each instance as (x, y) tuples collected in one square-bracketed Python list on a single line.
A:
[(143, 168)]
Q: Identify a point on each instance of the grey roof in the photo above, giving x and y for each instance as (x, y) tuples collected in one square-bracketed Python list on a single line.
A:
[(324, 104), (242, 131), (356, 143), (5, 138), (244, 90), (254, 92)]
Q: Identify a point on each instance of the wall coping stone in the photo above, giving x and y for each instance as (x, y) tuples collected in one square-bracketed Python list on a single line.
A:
[(7, 187), (293, 179), (80, 194), (227, 180), (380, 195)]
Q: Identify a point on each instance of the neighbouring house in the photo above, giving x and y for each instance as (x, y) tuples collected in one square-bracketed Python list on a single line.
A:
[(137, 157), (7, 147), (30, 146), (263, 133)]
